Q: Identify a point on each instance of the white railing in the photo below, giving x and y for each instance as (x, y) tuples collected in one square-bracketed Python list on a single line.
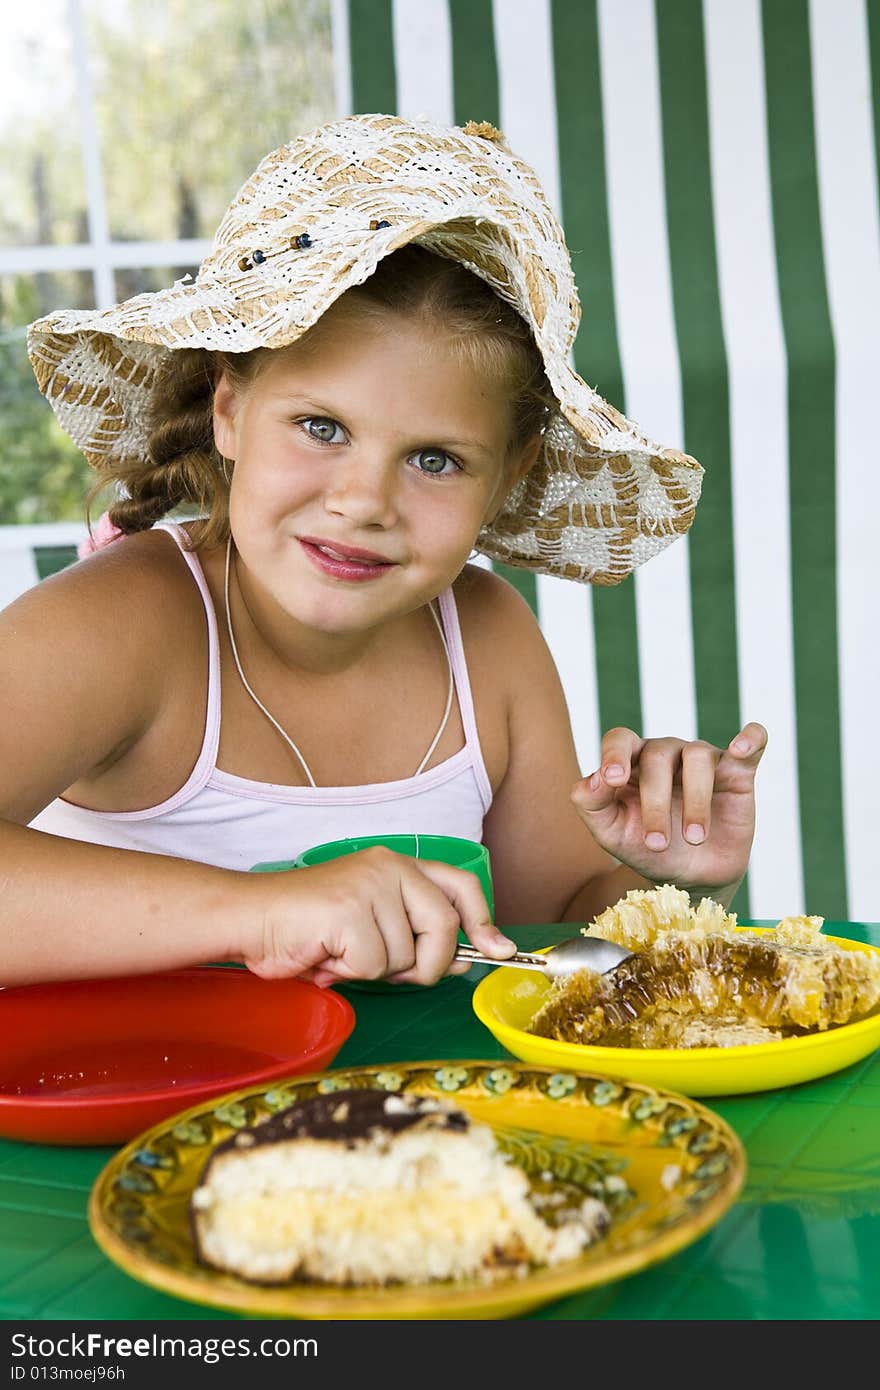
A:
[(18, 553)]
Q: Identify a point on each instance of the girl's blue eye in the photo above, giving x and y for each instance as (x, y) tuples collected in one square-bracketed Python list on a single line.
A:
[(434, 461), (322, 429)]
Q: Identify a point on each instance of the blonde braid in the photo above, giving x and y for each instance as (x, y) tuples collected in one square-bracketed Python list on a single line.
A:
[(183, 467)]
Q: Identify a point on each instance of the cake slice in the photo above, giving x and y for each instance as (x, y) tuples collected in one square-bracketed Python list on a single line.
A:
[(364, 1187), (695, 981)]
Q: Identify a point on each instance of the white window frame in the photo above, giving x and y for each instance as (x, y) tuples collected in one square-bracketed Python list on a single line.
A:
[(101, 255)]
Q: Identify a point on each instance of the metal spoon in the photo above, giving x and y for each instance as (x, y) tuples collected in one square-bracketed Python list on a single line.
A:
[(578, 953)]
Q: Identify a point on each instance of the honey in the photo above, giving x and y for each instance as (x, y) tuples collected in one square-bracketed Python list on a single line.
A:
[(693, 981)]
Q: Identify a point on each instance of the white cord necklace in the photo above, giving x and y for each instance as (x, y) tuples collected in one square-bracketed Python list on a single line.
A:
[(272, 720)]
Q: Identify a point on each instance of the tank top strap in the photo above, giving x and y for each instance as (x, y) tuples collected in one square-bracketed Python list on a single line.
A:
[(207, 758), (452, 632)]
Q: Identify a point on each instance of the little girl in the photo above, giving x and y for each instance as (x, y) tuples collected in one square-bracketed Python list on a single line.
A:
[(368, 380)]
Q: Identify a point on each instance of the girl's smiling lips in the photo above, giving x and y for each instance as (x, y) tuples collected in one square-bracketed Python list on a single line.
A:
[(345, 561)]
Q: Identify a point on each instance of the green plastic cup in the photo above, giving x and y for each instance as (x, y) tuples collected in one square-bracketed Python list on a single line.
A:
[(447, 849), (463, 854)]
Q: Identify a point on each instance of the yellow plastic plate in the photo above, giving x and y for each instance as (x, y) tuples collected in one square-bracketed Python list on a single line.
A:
[(506, 1000), (667, 1168)]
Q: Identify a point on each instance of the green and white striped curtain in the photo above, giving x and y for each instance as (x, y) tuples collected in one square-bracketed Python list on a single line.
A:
[(715, 167)]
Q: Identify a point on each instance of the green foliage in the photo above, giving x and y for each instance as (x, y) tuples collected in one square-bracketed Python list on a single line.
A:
[(189, 95), (43, 476)]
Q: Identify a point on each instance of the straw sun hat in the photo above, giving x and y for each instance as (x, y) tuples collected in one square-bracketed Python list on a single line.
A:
[(313, 220)]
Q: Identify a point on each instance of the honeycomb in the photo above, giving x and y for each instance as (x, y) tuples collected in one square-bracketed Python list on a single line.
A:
[(695, 981)]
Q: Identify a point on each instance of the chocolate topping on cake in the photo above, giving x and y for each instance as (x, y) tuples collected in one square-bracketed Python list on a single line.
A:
[(346, 1116)]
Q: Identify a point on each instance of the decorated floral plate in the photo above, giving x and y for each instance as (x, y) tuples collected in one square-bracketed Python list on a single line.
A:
[(666, 1167), (506, 1000)]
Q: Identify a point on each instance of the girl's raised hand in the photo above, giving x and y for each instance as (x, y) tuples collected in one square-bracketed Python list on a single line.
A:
[(676, 812), (368, 916)]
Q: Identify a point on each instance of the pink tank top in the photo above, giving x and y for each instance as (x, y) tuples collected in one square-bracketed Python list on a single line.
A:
[(234, 823)]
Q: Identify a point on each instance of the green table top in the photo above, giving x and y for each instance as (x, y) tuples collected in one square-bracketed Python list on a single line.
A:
[(801, 1243)]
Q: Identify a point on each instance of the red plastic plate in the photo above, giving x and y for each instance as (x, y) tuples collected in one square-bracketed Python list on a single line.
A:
[(97, 1061)]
